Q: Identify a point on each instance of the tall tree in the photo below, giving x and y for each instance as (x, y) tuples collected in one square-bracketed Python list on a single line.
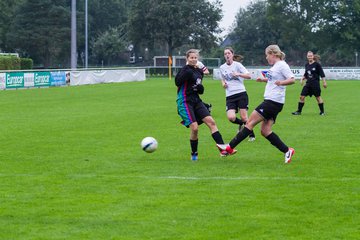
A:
[(104, 17), (253, 32), (175, 23), (330, 27), (41, 31), (7, 10)]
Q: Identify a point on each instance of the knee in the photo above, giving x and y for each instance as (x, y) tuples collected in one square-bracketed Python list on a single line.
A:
[(211, 123), (232, 118), (265, 132), (195, 129)]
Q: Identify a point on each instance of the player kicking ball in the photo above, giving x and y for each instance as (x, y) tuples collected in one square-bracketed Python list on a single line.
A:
[(278, 77)]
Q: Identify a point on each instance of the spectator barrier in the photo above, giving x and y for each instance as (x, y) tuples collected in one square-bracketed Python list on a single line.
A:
[(330, 73), (26, 79)]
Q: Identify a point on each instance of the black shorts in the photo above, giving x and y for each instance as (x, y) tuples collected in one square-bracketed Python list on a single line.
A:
[(309, 90), (269, 109), (237, 101), (192, 112)]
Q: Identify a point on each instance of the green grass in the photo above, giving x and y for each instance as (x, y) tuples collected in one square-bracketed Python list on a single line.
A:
[(71, 167)]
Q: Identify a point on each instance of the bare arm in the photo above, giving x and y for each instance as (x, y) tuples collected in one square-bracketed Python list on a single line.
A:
[(286, 82), (261, 79)]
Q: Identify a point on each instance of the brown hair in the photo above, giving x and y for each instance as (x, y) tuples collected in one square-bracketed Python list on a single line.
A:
[(238, 58), (275, 50), (230, 49), (316, 56)]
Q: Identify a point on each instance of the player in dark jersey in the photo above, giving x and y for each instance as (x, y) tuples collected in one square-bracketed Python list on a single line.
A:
[(313, 72), (190, 107)]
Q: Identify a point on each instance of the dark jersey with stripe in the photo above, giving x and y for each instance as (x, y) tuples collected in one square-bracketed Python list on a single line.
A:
[(188, 80), (313, 72)]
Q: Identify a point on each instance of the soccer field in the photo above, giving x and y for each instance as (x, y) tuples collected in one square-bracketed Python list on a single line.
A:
[(72, 167)]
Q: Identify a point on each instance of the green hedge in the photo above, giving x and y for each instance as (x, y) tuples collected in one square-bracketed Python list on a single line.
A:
[(26, 63), (8, 62)]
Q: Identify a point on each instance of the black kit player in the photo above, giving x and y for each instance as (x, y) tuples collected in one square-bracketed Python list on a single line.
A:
[(190, 107), (313, 72)]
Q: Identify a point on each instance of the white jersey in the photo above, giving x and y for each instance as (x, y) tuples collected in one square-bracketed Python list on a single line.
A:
[(279, 72), (234, 84)]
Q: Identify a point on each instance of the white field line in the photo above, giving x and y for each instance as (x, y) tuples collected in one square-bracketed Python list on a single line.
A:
[(189, 178)]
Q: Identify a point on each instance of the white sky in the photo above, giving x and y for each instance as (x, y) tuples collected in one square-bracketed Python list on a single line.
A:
[(230, 9)]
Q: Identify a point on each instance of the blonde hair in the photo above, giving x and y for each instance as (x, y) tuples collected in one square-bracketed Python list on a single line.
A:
[(275, 50), (188, 52)]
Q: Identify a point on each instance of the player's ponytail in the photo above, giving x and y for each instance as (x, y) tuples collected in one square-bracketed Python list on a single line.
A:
[(275, 50)]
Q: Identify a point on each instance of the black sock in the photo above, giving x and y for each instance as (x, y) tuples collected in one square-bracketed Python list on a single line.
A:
[(217, 137), (276, 141), (252, 134), (194, 145), (239, 137), (237, 121), (300, 106), (321, 107)]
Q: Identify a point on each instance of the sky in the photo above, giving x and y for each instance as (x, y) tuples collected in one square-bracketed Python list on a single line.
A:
[(230, 9)]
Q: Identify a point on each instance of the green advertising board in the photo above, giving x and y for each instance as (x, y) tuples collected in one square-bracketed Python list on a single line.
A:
[(42, 79), (15, 80)]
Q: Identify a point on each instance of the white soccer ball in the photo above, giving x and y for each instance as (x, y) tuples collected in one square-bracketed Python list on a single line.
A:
[(149, 144)]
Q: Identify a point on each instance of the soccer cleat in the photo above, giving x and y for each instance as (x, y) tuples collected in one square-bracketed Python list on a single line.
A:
[(227, 148), (223, 153), (194, 156), (322, 114), (289, 154), (221, 147), (251, 139), (296, 113)]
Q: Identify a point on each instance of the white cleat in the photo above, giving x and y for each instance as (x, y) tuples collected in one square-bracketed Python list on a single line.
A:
[(289, 154)]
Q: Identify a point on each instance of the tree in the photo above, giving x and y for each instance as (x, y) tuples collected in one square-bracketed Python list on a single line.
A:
[(41, 31), (7, 9), (155, 22), (252, 33), (329, 27), (104, 17), (109, 45)]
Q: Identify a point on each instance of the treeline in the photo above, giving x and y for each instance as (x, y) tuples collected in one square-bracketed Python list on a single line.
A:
[(119, 29), (328, 27)]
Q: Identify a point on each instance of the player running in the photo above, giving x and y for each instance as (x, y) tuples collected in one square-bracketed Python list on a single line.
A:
[(233, 74)]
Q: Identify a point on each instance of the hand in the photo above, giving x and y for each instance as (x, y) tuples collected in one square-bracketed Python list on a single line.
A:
[(224, 84), (199, 88), (278, 83), (324, 84), (235, 74), (259, 79), (302, 82)]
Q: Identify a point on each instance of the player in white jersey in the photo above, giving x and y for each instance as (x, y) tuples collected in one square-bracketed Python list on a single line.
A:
[(233, 74), (277, 78)]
